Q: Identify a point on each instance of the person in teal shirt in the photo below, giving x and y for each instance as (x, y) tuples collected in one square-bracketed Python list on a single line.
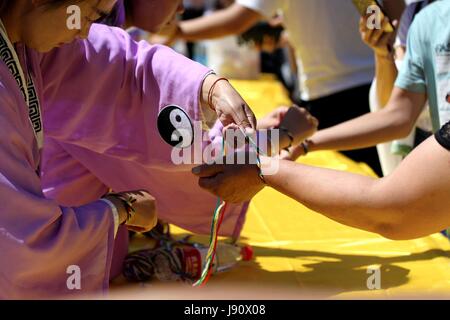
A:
[(425, 74), (426, 69)]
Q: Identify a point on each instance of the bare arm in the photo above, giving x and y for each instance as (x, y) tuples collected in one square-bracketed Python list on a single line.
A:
[(385, 69), (413, 202), (385, 73), (232, 20), (395, 121)]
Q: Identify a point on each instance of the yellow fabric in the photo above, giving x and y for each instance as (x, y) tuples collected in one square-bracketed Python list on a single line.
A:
[(307, 254)]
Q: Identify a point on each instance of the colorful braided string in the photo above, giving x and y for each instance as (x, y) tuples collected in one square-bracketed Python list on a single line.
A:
[(215, 227), (219, 213)]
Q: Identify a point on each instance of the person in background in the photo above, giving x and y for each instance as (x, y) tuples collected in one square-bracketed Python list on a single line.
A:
[(86, 101), (193, 9), (192, 210), (416, 83), (392, 153), (413, 202), (277, 54), (335, 67)]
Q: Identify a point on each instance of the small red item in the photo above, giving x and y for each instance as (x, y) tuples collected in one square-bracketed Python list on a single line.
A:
[(247, 253), (211, 91)]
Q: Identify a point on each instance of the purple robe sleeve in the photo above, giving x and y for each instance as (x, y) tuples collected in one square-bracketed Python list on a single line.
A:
[(102, 98), (39, 239), (108, 90)]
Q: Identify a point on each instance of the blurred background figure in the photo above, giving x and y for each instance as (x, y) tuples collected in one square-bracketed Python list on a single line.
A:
[(387, 64), (335, 68), (264, 48), (276, 52), (193, 9)]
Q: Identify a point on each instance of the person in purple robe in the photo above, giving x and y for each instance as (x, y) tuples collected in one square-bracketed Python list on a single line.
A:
[(93, 95), (81, 164)]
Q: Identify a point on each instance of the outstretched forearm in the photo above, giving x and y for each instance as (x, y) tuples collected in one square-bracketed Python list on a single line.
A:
[(411, 203), (233, 20), (365, 131), (349, 199), (393, 122), (386, 74)]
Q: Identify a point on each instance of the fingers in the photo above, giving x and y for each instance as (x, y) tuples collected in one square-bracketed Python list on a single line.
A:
[(281, 112), (314, 121), (243, 116), (375, 37), (367, 36), (381, 34), (209, 183), (250, 116), (284, 155), (144, 216), (229, 128), (300, 123), (205, 171), (231, 108), (366, 33), (295, 111)]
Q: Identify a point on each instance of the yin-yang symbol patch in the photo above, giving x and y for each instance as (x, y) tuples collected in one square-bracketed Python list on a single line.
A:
[(175, 127)]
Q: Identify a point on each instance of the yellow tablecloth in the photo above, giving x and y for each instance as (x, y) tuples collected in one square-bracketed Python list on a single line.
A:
[(301, 254)]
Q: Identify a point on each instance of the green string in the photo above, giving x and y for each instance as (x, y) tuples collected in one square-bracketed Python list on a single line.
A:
[(214, 224)]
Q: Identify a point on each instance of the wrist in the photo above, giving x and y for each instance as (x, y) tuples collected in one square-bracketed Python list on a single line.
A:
[(212, 90), (261, 179), (384, 56), (218, 88), (308, 146), (302, 149), (206, 85), (268, 168), (286, 138), (123, 216)]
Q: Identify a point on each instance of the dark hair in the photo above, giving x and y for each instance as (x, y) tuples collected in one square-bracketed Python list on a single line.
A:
[(256, 33), (4, 4)]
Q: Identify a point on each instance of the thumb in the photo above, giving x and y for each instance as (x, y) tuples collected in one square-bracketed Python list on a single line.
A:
[(207, 170)]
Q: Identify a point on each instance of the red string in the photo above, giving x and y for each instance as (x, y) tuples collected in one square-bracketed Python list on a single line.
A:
[(222, 214)]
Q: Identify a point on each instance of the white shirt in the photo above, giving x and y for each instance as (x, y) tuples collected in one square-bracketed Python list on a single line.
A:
[(325, 34)]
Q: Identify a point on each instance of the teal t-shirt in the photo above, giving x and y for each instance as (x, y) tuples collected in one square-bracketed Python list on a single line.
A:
[(426, 68)]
